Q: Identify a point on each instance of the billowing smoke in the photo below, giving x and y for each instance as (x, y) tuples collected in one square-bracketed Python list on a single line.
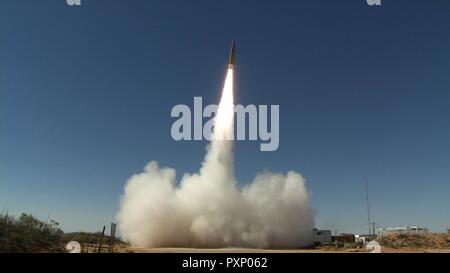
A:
[(209, 208)]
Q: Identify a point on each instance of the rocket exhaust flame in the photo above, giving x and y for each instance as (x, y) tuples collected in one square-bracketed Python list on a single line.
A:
[(225, 112), (209, 208)]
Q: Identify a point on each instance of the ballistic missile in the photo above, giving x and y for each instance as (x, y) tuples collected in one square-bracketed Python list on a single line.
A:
[(231, 61)]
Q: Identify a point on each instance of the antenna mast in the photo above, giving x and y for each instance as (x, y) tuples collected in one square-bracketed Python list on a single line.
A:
[(368, 206)]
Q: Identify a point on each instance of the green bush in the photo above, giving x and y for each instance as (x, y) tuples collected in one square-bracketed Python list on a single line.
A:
[(350, 245), (28, 234)]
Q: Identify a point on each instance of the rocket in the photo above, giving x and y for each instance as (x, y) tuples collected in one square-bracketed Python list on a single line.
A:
[(231, 61)]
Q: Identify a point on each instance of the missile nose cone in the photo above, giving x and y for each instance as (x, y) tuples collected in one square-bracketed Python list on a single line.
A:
[(231, 61)]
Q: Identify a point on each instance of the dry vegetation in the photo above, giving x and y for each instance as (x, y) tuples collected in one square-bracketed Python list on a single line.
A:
[(28, 234), (416, 240)]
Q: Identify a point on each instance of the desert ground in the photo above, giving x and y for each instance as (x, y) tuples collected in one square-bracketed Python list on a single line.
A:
[(252, 250)]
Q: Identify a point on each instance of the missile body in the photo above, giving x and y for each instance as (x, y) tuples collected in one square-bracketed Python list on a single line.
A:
[(231, 61)]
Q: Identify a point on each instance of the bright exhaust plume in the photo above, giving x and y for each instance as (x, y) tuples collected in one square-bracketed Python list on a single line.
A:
[(209, 208)]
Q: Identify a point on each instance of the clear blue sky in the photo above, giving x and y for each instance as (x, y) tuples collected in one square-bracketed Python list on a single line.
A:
[(86, 94)]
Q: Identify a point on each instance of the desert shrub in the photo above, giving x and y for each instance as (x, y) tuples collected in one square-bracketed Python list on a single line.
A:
[(350, 245), (88, 238), (28, 234), (415, 240), (84, 237)]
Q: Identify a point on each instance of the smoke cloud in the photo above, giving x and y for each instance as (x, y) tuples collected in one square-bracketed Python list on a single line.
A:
[(209, 208)]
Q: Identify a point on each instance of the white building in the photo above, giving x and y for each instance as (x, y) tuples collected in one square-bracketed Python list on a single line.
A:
[(413, 229)]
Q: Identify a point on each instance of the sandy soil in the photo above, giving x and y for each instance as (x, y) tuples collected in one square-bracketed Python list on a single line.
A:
[(251, 250), (409, 243), (230, 250), (414, 250)]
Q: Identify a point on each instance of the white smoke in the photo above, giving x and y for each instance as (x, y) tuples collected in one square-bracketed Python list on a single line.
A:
[(209, 208)]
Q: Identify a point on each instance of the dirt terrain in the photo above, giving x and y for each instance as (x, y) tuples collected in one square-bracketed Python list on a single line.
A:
[(414, 250), (416, 241), (225, 250), (248, 250), (391, 243)]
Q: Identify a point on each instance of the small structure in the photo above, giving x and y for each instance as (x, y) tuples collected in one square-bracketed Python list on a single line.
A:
[(322, 237)]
